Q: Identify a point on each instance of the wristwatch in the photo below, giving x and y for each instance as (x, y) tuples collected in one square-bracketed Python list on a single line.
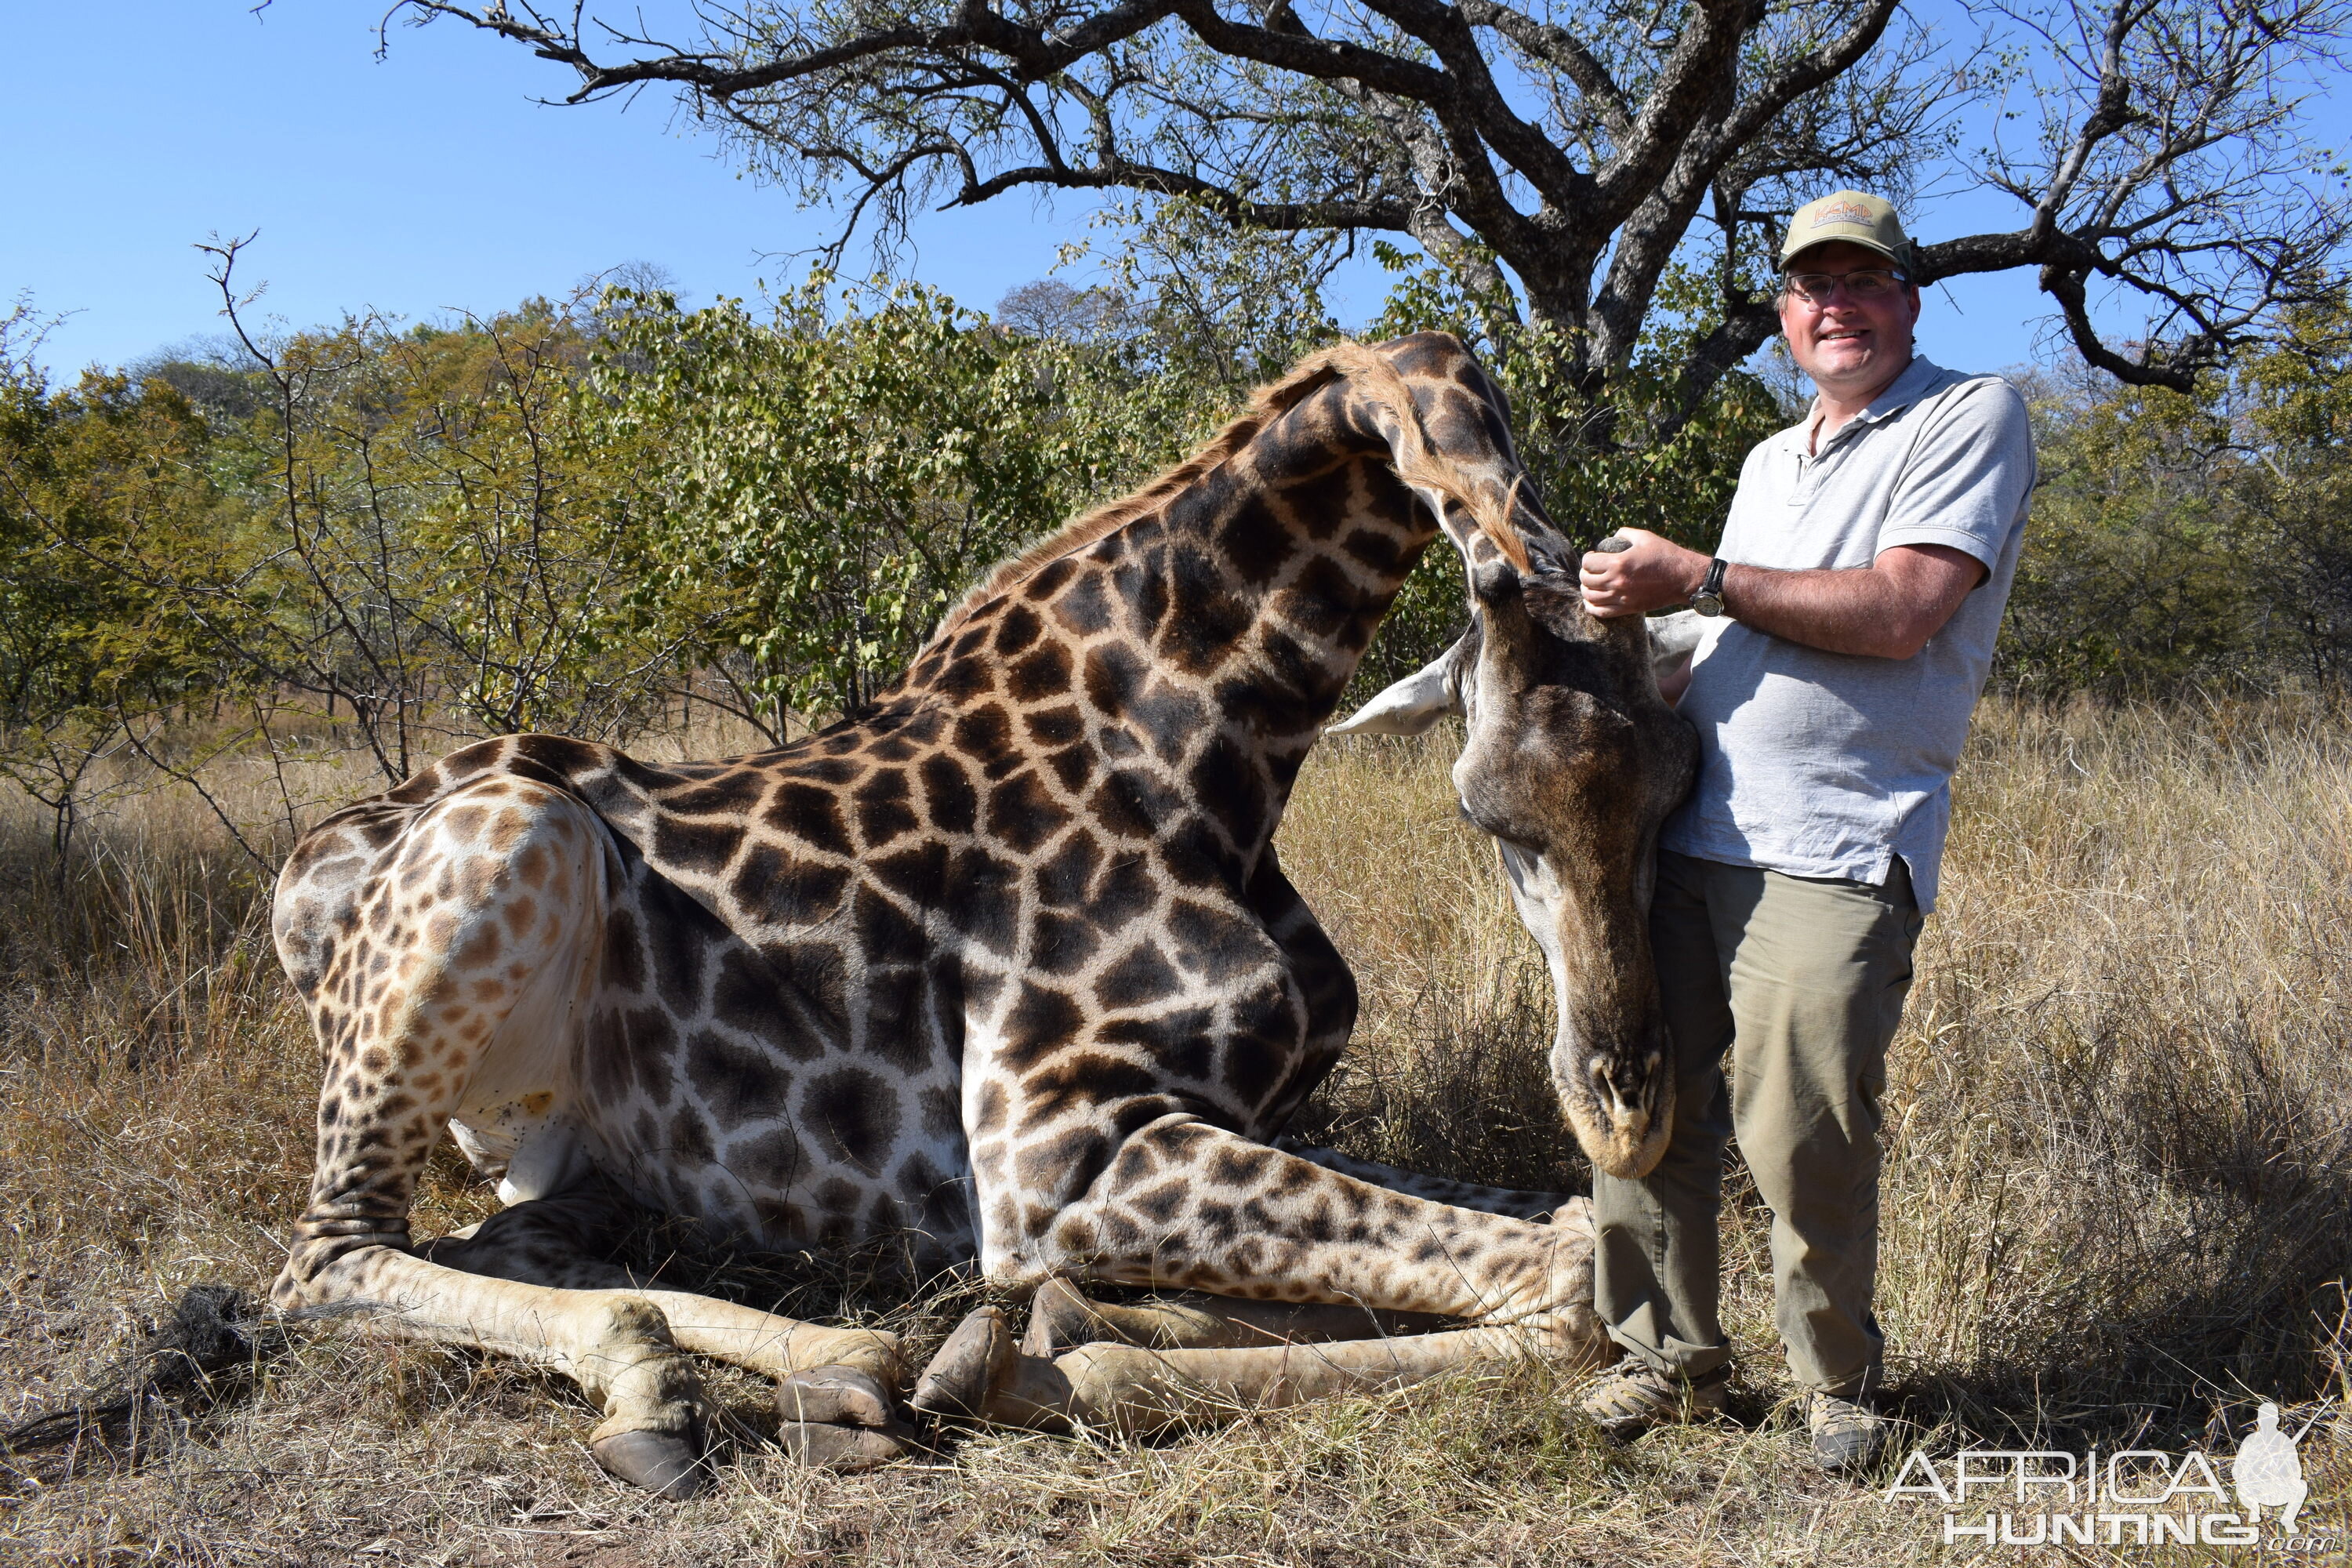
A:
[(1708, 600)]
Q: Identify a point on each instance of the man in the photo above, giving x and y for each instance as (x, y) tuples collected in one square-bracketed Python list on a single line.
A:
[(1860, 580)]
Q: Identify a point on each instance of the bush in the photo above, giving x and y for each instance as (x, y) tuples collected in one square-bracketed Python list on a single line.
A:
[(819, 487), (2180, 540)]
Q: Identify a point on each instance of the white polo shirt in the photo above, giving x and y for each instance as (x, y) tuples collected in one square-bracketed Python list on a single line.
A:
[(1830, 765)]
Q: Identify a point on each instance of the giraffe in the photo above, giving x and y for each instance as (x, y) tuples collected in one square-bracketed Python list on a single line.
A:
[(1007, 965)]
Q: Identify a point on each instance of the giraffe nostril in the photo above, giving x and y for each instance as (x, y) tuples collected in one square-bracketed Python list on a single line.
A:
[(1621, 1089)]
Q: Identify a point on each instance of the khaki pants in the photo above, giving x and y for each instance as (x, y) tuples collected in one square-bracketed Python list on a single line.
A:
[(1803, 982)]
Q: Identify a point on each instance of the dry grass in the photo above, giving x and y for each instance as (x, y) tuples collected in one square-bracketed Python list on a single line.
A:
[(2116, 1207)]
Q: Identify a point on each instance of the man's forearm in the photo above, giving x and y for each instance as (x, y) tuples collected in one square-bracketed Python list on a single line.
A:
[(1886, 610), (1858, 610)]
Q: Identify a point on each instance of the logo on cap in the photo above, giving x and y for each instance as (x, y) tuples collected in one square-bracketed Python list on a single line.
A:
[(1841, 212)]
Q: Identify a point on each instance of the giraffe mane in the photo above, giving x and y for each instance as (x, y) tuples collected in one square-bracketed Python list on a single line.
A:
[(1417, 463), (1425, 468)]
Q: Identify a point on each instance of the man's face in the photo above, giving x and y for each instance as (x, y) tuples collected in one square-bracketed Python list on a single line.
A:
[(1849, 347)]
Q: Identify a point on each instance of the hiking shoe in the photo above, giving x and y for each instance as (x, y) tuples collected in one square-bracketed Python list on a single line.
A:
[(1635, 1396), (1847, 1433)]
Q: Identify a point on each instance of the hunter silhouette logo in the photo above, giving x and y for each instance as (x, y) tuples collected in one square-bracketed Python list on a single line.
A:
[(2268, 1473)]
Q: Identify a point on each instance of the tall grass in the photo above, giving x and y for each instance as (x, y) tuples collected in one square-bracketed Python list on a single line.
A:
[(2117, 1205)]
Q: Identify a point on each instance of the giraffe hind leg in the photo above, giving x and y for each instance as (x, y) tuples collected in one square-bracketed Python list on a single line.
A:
[(453, 959), (836, 1388)]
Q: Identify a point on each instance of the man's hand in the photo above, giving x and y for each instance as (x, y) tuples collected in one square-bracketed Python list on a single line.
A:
[(1652, 574)]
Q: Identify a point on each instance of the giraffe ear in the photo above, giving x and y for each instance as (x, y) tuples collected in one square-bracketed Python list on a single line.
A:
[(1675, 637), (1413, 704)]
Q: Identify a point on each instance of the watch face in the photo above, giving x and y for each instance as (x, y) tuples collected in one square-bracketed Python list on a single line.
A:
[(1708, 600)]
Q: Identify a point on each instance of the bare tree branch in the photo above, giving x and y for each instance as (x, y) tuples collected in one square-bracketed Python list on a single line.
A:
[(2168, 200)]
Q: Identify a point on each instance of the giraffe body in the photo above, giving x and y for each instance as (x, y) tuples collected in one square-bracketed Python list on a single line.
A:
[(1008, 965)]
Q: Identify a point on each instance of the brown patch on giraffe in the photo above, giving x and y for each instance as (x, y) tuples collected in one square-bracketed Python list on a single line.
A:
[(1164, 486)]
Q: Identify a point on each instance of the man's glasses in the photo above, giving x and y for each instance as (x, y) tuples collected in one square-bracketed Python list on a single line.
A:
[(1865, 287)]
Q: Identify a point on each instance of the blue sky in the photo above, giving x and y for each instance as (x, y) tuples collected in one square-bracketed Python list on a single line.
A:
[(430, 181), (422, 183)]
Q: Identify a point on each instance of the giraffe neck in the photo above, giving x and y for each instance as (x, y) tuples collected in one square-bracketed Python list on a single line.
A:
[(1207, 638)]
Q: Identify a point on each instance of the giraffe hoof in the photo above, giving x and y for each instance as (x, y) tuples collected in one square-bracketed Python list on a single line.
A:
[(968, 1367), (662, 1463), (835, 1396), (847, 1449), (1060, 1319)]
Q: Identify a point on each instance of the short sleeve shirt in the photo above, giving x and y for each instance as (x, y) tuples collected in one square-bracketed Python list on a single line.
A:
[(1830, 765)]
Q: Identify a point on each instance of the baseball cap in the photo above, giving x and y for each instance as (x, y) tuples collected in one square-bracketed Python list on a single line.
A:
[(1853, 217)]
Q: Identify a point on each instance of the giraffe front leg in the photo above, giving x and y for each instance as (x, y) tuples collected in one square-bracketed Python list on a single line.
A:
[(1187, 1205), (1131, 1390), (1135, 1392), (1437, 1189), (1061, 1318)]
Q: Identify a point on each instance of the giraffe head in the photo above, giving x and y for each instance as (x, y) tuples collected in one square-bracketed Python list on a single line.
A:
[(1572, 762)]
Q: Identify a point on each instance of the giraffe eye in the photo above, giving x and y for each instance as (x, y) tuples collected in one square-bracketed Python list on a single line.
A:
[(1494, 579)]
